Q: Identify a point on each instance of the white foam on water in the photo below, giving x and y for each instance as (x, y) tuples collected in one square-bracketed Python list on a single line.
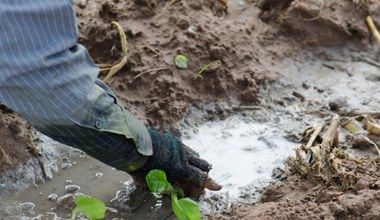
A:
[(242, 152)]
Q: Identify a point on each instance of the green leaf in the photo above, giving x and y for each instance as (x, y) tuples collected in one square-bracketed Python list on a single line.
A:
[(181, 61), (185, 209), (157, 182), (92, 208)]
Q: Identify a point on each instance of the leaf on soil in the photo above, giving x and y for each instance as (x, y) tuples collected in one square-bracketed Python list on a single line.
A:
[(185, 208), (181, 61), (92, 208)]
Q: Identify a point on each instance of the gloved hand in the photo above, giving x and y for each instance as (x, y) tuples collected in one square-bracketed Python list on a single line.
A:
[(182, 165)]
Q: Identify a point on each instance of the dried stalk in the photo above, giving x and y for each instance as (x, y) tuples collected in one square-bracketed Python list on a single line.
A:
[(114, 68), (371, 126), (374, 31), (329, 164), (317, 130), (372, 143), (331, 134), (7, 160)]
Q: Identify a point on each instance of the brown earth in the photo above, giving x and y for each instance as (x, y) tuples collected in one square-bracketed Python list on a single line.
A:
[(150, 84), (16, 144), (297, 198), (246, 42)]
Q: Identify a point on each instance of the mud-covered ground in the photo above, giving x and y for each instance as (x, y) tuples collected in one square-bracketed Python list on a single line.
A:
[(250, 44)]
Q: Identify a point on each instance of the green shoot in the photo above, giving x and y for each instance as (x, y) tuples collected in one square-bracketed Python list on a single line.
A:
[(203, 69), (184, 208), (92, 208), (156, 180)]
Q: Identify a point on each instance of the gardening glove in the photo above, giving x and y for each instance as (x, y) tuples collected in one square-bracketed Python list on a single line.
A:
[(182, 165)]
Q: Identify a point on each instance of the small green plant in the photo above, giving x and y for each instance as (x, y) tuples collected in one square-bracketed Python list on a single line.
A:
[(181, 61), (203, 69), (92, 208), (184, 208)]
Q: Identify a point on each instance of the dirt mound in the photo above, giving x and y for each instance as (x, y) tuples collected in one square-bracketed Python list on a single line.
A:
[(321, 23), (316, 203), (15, 140), (150, 84), (245, 43)]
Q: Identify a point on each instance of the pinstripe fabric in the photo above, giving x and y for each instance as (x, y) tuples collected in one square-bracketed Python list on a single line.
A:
[(51, 81)]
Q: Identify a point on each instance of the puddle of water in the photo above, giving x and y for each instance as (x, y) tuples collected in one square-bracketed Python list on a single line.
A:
[(243, 153), (94, 179), (346, 76)]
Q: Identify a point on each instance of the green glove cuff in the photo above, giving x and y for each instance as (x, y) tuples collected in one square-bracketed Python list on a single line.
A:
[(112, 149)]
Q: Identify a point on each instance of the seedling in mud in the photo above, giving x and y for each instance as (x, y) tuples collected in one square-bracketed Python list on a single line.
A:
[(92, 208), (184, 208), (203, 69), (181, 61)]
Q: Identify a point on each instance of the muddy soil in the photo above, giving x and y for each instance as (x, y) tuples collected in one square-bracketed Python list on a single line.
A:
[(14, 132), (249, 44)]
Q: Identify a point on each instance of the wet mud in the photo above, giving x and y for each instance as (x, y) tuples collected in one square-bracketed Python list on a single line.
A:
[(14, 132), (291, 63)]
